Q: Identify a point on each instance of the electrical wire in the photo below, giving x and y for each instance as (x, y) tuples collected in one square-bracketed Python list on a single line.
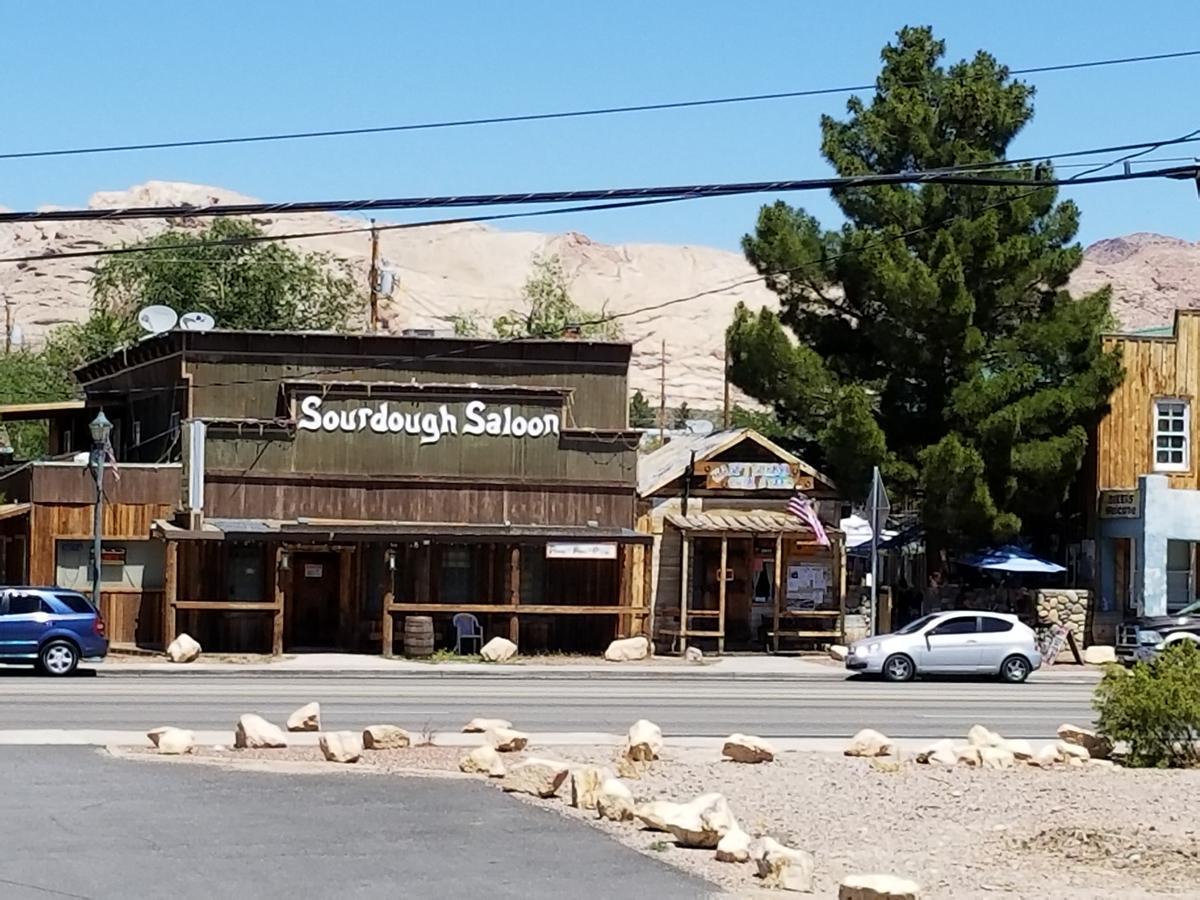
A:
[(688, 191), (549, 116)]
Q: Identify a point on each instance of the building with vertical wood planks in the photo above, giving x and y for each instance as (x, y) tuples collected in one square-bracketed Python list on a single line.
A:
[(283, 491), (1146, 476)]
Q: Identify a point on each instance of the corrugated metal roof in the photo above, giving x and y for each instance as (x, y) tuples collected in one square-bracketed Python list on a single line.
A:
[(757, 522)]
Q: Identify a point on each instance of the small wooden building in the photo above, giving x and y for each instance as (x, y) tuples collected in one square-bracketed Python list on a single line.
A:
[(732, 568), (325, 487)]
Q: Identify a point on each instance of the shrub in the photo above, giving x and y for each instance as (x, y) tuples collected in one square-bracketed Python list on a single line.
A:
[(1154, 708)]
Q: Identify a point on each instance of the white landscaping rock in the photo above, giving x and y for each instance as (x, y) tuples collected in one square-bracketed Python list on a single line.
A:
[(654, 814), (839, 652), (996, 758), (586, 782), (483, 759), (734, 847), (498, 649), (701, 823), (1021, 750), (1099, 655), (644, 741), (615, 801), (979, 736), (385, 737), (341, 746), (878, 887), (1097, 747), (306, 718), (782, 867), (746, 748), (628, 649), (940, 754), (506, 740), (693, 655), (869, 742), (254, 732), (172, 741), (184, 649), (1046, 757), (1073, 754), (968, 756), (539, 777), (479, 726)]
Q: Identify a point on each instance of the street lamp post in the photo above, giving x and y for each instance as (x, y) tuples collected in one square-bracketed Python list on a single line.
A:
[(101, 429)]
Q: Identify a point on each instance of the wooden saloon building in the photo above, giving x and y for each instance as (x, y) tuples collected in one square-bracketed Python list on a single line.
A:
[(301, 491)]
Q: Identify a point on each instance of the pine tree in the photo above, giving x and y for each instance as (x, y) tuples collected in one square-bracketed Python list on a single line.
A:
[(933, 333), (641, 415)]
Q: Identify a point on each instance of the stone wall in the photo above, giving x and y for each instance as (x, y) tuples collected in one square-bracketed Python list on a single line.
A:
[(1066, 607)]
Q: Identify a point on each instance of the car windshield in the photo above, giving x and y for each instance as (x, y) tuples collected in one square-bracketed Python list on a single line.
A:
[(916, 625)]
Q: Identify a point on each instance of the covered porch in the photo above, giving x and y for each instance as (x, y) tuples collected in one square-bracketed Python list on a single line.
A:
[(254, 585)]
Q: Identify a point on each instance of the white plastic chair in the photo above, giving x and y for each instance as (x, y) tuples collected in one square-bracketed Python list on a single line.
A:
[(467, 628)]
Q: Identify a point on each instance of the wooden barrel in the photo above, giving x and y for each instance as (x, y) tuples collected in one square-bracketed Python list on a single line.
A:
[(856, 628), (418, 636)]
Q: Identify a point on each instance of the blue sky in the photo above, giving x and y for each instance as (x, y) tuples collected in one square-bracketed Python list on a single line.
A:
[(80, 73)]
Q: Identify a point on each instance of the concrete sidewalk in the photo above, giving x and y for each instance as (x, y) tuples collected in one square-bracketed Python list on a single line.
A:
[(762, 668)]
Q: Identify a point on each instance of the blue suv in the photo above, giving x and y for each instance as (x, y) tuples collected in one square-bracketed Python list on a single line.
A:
[(49, 628)]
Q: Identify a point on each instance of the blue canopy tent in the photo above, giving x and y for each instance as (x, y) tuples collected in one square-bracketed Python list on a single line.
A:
[(1011, 558)]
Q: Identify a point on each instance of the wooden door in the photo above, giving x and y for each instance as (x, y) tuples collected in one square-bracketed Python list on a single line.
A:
[(313, 609)]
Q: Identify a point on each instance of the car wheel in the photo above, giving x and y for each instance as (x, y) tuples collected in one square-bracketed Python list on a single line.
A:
[(899, 668), (58, 658), (1015, 669)]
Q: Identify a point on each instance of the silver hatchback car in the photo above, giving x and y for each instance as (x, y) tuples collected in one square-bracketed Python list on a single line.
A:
[(951, 643)]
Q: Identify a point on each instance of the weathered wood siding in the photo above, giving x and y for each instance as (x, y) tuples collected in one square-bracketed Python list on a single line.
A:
[(1155, 367), (237, 495)]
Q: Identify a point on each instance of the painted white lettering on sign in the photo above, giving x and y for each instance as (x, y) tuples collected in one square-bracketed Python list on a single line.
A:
[(581, 551), (386, 418)]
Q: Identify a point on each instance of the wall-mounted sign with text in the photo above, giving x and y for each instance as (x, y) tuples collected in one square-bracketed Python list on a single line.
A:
[(753, 476), (431, 426), (581, 551), (1120, 504)]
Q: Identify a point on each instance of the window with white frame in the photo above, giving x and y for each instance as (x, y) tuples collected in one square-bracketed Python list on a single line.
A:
[(1172, 421)]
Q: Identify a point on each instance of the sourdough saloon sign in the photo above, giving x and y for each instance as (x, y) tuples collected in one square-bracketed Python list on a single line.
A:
[(477, 418)]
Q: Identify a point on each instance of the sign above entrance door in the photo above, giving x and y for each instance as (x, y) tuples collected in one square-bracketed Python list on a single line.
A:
[(430, 425), (1120, 504), (753, 476), (581, 551)]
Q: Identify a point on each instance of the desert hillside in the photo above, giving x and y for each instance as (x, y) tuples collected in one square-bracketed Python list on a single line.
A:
[(447, 270)]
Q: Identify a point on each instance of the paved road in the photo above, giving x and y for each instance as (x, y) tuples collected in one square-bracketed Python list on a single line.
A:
[(80, 825), (709, 707)]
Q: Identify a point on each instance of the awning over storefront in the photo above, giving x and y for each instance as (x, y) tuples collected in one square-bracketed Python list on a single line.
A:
[(313, 530), (757, 522), (11, 510)]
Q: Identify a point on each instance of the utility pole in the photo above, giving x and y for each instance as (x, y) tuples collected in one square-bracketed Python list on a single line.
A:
[(7, 325), (662, 396), (373, 277), (725, 367)]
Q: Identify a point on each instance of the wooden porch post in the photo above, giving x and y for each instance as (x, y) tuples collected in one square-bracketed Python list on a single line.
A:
[(277, 618), (387, 635), (625, 590), (721, 594), (685, 582), (647, 617), (779, 589), (514, 593), (170, 592)]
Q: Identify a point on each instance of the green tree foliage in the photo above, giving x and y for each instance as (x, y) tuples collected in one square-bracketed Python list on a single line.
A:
[(547, 310), (641, 414), (1154, 708), (30, 377), (932, 333)]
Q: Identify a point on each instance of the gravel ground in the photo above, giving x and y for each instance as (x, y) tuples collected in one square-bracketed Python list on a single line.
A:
[(1063, 834)]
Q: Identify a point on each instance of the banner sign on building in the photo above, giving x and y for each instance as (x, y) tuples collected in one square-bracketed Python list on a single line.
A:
[(753, 476), (431, 425), (1120, 504), (581, 551)]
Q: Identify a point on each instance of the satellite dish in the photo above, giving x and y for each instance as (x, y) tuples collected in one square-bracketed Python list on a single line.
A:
[(197, 321), (157, 319)]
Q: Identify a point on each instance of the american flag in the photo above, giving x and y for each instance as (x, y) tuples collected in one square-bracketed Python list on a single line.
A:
[(805, 509), (111, 459)]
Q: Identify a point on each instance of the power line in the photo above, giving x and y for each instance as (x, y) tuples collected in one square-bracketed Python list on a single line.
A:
[(687, 191), (549, 116)]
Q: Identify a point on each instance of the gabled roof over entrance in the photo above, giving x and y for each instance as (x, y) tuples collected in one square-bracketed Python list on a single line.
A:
[(658, 469)]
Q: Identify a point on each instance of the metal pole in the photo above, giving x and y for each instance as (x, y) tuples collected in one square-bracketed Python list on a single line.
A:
[(373, 277), (872, 619), (97, 521)]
